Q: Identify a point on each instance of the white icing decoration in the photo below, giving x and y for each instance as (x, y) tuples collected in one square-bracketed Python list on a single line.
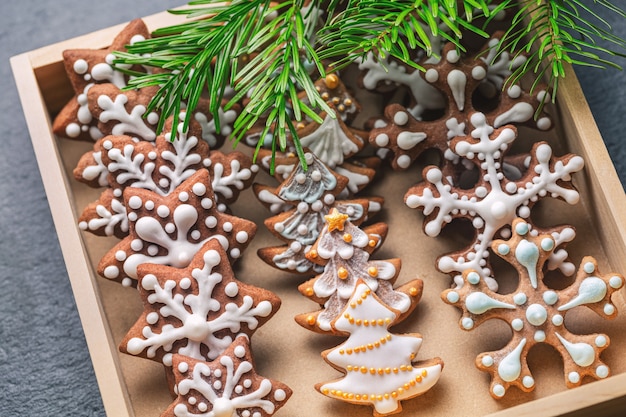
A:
[(408, 140), (395, 353), (520, 298), (573, 377), (510, 367), (528, 381), (583, 354), (527, 254), (130, 123), (557, 320), (330, 143), (550, 297), (498, 390), (478, 303), (616, 282), (536, 314), (517, 324), (453, 297), (457, 81), (592, 290), (487, 361), (602, 371), (540, 336)]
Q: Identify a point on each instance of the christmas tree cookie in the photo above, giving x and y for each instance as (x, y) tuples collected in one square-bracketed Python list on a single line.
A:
[(344, 250), (380, 368)]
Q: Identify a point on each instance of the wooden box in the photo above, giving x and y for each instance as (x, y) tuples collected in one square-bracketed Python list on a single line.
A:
[(133, 386)]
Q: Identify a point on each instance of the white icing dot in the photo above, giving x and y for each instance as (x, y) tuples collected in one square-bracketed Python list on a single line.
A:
[(280, 395), (163, 211), (242, 237), (247, 383), (574, 377), (240, 352), (199, 189), (521, 228), (81, 66), (528, 381), (609, 309), (149, 205), (185, 283), (602, 371), (473, 278), (452, 296), (404, 161), (467, 323), (153, 118), (183, 367), (231, 289), (235, 253), (514, 91), (400, 118), (317, 205), (300, 178), (524, 212), (149, 282), (503, 249), (453, 56), (211, 222), (517, 324), (487, 361), (134, 202), (536, 314), (120, 255), (203, 407), (111, 272), (153, 250), (550, 297), (136, 245), (302, 207), (279, 227), (520, 298), (478, 73), (170, 228), (547, 244), (616, 282), (329, 199), (499, 210), (183, 196), (382, 140), (557, 320), (206, 203), (72, 130), (192, 400), (195, 235), (132, 216), (498, 390), (167, 359), (228, 227), (540, 336), (316, 175), (431, 75), (296, 246), (601, 341), (589, 267), (544, 123), (127, 282)]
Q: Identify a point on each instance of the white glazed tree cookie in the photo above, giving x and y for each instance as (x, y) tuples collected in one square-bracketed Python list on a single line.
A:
[(380, 367), (536, 313)]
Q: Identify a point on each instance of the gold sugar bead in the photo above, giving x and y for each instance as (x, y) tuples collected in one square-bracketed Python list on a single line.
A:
[(332, 81)]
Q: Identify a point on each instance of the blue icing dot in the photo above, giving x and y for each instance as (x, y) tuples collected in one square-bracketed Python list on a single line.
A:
[(521, 228)]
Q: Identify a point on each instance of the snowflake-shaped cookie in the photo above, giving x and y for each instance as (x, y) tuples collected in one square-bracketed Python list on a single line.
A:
[(228, 386), (495, 200), (196, 311), (169, 230), (536, 313)]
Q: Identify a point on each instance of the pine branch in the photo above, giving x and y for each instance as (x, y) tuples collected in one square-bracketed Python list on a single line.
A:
[(558, 32)]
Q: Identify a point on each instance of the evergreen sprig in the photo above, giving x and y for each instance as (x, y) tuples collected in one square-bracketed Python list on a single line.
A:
[(398, 28), (553, 33), (268, 51)]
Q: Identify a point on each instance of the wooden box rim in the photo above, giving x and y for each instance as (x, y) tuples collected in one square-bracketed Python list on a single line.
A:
[(585, 139)]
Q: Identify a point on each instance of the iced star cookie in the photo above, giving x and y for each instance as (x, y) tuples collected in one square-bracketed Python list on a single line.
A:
[(228, 386), (86, 68), (380, 368), (121, 161), (169, 230), (196, 311), (537, 313)]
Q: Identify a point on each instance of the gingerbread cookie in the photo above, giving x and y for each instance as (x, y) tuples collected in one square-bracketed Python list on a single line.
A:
[(344, 250), (380, 367), (536, 313), (494, 201), (160, 166), (86, 68), (196, 311), (169, 230), (227, 386), (304, 198)]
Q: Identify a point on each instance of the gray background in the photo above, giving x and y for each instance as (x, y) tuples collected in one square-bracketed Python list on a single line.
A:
[(45, 369)]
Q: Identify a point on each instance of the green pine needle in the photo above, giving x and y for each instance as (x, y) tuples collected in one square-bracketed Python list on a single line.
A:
[(269, 52)]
